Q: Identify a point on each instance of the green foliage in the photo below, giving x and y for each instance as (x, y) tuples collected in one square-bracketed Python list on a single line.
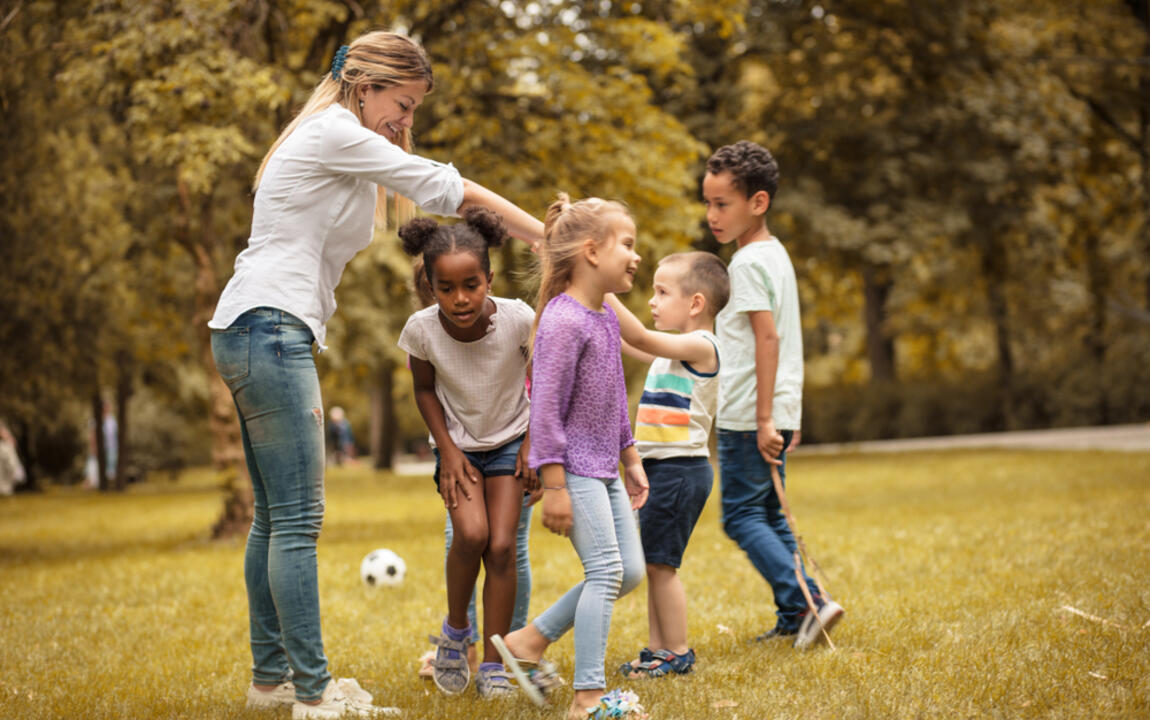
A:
[(943, 561)]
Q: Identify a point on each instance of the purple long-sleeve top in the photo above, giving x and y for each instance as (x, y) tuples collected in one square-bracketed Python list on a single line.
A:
[(578, 394)]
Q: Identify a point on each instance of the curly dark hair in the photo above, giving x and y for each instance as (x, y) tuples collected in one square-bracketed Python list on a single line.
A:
[(751, 165), (480, 230)]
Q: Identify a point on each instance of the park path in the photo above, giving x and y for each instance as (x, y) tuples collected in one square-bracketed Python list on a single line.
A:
[(1119, 438)]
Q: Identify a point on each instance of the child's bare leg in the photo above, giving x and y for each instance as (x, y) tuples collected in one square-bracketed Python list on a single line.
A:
[(504, 497), (669, 609), (527, 643), (654, 634), (468, 543)]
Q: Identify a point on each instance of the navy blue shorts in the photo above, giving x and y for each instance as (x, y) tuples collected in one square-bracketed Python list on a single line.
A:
[(679, 490), (490, 463)]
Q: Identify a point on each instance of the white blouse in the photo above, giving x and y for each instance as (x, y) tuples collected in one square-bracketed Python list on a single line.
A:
[(314, 210)]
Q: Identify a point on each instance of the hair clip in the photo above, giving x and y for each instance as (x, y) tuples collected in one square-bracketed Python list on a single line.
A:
[(337, 62)]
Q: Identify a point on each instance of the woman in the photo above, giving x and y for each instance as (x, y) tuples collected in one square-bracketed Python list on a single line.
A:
[(317, 191)]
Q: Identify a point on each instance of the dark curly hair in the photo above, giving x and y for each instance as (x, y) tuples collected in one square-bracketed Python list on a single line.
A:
[(751, 165), (480, 230)]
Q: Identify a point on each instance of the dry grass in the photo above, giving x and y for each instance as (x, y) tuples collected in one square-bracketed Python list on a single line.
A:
[(953, 568)]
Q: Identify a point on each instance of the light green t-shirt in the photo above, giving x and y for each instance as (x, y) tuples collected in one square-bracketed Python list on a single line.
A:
[(762, 278)]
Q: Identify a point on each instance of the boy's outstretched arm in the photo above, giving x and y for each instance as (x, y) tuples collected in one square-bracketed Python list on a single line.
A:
[(770, 440), (687, 348)]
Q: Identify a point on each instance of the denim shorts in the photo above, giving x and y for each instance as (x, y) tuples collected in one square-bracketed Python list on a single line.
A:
[(490, 463), (679, 490)]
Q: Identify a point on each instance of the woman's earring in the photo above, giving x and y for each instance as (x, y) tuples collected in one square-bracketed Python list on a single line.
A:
[(361, 104)]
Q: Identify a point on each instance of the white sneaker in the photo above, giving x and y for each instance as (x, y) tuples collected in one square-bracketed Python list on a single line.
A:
[(341, 698), (281, 696), (815, 624)]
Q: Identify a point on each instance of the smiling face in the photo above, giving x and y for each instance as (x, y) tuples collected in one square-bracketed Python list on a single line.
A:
[(391, 110), (461, 286), (618, 261), (670, 307), (732, 215)]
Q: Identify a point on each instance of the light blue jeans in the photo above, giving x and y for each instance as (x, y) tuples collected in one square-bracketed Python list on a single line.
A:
[(606, 539), (522, 572), (265, 358)]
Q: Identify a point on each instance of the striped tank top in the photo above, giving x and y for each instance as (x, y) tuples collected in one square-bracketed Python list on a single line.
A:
[(677, 409)]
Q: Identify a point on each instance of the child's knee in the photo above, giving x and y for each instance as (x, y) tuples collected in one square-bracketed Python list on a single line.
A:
[(469, 542), (500, 555)]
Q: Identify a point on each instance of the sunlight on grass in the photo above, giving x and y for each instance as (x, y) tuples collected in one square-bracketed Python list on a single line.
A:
[(954, 569)]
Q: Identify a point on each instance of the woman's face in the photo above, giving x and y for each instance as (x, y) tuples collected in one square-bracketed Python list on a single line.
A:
[(390, 110)]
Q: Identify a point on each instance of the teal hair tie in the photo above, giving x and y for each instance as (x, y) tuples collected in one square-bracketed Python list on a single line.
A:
[(337, 62)]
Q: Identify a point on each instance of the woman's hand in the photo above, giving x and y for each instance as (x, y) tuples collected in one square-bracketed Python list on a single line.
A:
[(456, 475), (635, 480)]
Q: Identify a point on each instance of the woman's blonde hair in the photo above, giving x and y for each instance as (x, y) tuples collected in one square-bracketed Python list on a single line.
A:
[(566, 227), (379, 59)]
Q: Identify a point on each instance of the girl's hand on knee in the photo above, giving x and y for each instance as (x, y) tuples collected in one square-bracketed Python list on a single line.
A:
[(455, 475), (557, 511)]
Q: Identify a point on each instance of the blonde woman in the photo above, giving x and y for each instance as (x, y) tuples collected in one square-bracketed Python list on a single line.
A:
[(318, 190)]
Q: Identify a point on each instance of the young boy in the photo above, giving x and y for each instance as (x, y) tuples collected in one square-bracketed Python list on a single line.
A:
[(671, 432), (761, 382)]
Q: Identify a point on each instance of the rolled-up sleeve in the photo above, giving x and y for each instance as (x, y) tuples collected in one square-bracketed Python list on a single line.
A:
[(352, 149)]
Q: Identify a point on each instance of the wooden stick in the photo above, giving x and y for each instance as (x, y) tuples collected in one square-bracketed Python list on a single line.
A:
[(811, 602), (778, 482), (1094, 618)]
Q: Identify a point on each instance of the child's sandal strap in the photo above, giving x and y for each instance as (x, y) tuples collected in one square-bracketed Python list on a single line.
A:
[(665, 662)]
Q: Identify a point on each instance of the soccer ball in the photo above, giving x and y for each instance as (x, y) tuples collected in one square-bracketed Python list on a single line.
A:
[(382, 567)]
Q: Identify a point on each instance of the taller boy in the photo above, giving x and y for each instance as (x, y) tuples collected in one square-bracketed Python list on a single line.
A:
[(760, 381)]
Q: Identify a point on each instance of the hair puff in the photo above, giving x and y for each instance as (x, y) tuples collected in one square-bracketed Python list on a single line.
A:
[(417, 233), (487, 224)]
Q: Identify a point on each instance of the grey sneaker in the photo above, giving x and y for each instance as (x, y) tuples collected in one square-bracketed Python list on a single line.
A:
[(494, 684), (282, 696), (815, 624), (451, 671)]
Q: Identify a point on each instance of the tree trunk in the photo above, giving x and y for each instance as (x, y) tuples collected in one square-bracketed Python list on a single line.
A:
[(994, 274), (1142, 12), (227, 447), (123, 394), (1096, 338), (879, 344), (383, 424), (98, 436)]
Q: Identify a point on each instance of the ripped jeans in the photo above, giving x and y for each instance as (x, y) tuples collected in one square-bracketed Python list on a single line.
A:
[(265, 358)]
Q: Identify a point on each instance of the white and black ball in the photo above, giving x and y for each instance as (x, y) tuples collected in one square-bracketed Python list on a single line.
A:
[(382, 567)]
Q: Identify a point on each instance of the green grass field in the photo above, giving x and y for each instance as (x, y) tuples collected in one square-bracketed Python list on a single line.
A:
[(954, 569)]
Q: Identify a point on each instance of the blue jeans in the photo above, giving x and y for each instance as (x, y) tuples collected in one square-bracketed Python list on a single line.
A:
[(265, 358), (522, 572), (753, 518), (607, 542)]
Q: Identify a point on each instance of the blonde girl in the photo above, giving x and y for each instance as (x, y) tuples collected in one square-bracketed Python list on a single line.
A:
[(316, 194), (580, 431)]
